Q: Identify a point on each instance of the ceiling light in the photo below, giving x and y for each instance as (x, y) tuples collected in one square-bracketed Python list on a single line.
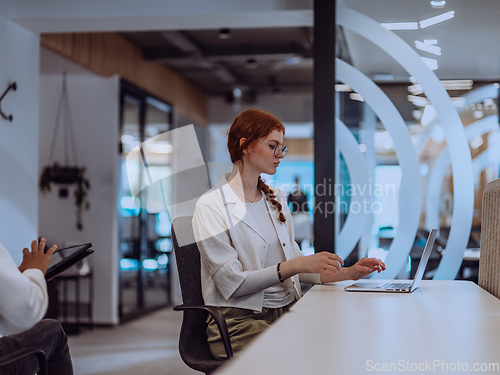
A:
[(476, 142), (224, 33), (432, 64), (435, 50), (488, 104), (424, 169), (437, 133), (362, 147), (458, 101), (127, 138), (293, 60), (342, 87), (415, 89), (430, 41), (417, 114), (356, 96), (161, 148), (457, 84), (251, 64), (383, 77), (388, 143), (237, 93), (438, 4), (436, 19), (418, 100), (400, 25), (382, 139)]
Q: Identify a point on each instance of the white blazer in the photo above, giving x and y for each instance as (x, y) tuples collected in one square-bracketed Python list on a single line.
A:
[(230, 245)]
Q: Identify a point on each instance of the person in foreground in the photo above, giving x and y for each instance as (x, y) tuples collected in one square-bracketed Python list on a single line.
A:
[(251, 266), (23, 302)]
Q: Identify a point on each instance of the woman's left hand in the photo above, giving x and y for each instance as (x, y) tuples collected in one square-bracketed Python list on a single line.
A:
[(362, 268)]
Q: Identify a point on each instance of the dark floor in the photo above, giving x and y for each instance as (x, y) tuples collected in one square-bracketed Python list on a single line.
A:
[(145, 346)]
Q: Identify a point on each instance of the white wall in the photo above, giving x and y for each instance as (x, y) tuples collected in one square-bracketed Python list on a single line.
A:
[(94, 103), (19, 54)]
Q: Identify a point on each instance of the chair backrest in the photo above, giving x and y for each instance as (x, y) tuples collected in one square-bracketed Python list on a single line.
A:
[(193, 345), (187, 257), (489, 262)]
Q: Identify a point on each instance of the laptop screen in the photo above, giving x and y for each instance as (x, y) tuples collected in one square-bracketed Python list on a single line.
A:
[(425, 258)]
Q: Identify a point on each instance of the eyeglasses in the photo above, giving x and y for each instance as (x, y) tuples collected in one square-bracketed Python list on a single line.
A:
[(278, 149)]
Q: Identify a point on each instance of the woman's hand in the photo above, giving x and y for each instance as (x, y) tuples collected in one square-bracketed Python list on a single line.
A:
[(326, 264), (37, 257), (362, 268)]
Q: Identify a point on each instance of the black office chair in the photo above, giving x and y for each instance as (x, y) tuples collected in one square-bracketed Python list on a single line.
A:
[(193, 345), (22, 354)]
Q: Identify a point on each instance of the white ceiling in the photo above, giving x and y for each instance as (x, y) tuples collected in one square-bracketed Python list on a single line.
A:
[(468, 41), (46, 16)]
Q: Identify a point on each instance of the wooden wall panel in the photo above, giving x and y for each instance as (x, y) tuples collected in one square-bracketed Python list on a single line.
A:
[(107, 54), (299, 147)]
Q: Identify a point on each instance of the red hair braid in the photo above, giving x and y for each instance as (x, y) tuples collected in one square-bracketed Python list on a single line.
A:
[(262, 186)]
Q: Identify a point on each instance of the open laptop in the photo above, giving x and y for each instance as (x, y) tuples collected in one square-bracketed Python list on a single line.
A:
[(63, 259), (398, 286)]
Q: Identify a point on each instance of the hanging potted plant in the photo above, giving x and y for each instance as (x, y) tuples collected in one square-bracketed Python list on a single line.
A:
[(58, 175), (55, 174), (68, 174)]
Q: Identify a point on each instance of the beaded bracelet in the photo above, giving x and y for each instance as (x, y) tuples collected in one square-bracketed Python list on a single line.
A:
[(279, 273)]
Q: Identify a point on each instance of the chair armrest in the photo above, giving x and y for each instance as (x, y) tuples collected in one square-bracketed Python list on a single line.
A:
[(219, 320), (20, 354)]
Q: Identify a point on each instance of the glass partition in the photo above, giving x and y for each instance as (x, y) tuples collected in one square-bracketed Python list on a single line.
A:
[(145, 237)]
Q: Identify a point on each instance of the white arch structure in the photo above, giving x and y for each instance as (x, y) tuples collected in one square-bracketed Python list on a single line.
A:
[(358, 173), (449, 120), (472, 97), (441, 165), (410, 193)]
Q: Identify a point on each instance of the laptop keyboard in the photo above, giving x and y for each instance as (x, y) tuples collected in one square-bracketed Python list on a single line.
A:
[(394, 286)]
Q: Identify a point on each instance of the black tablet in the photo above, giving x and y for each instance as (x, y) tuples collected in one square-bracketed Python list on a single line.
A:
[(63, 259)]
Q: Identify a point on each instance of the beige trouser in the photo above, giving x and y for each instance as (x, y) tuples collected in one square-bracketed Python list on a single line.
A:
[(243, 326)]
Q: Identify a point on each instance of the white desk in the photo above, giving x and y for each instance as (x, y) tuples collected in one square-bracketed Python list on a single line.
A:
[(330, 331)]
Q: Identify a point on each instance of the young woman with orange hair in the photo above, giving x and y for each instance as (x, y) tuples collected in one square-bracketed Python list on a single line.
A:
[(251, 266)]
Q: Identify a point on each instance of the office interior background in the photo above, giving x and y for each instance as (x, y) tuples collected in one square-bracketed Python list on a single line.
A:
[(134, 71)]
